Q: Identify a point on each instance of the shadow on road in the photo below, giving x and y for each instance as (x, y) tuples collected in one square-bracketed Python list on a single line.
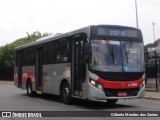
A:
[(90, 105), (98, 105)]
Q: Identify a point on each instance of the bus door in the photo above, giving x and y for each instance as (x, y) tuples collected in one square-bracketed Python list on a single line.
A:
[(78, 65), (38, 68), (20, 70)]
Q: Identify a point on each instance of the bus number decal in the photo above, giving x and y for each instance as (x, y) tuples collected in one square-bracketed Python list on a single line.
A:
[(117, 33)]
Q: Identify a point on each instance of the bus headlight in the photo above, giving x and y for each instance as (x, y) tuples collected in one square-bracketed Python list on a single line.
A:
[(96, 84), (142, 85)]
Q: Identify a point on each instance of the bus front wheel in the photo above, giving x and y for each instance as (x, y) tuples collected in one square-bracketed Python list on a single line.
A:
[(65, 93)]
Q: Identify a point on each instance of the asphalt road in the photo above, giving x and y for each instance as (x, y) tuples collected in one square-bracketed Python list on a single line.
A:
[(14, 99)]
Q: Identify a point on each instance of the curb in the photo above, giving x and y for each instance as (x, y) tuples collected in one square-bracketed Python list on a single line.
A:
[(152, 98), (7, 83), (153, 89)]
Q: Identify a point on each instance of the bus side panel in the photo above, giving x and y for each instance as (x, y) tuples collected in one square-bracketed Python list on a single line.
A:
[(53, 76), (28, 72), (85, 85)]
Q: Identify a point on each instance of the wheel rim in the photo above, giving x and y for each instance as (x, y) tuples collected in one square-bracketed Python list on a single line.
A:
[(66, 93), (29, 89)]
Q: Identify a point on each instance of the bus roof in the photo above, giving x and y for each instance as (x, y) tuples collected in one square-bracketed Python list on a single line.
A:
[(63, 35), (55, 37)]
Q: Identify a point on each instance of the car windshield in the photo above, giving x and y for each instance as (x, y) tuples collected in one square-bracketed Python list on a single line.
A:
[(116, 56)]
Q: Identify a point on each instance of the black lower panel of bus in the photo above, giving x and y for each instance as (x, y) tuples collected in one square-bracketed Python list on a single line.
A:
[(119, 76), (114, 92)]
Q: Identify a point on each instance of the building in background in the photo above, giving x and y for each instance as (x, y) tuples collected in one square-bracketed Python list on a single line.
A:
[(149, 56)]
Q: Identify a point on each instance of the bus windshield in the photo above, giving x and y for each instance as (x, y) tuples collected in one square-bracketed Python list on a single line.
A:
[(116, 56)]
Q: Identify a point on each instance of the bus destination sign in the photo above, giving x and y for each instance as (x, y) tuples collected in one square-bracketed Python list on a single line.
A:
[(117, 32)]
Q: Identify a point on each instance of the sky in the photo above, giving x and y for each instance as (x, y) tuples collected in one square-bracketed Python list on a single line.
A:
[(59, 16)]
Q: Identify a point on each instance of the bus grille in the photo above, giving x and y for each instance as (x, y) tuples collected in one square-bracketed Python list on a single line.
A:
[(114, 92), (120, 76)]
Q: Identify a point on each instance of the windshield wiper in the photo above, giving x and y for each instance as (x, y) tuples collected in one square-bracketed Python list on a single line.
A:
[(112, 55), (110, 50), (126, 53)]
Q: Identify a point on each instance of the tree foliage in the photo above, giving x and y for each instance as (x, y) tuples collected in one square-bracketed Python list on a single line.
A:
[(150, 45), (7, 52)]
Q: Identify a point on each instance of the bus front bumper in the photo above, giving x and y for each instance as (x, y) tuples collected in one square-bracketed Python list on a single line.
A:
[(98, 95)]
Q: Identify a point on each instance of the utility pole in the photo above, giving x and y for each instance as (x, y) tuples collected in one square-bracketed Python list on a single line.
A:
[(136, 13)]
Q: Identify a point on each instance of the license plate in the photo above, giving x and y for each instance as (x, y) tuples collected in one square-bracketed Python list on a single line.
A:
[(122, 94)]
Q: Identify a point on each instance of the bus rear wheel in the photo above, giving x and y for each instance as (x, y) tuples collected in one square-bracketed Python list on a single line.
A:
[(65, 93), (30, 92), (113, 101)]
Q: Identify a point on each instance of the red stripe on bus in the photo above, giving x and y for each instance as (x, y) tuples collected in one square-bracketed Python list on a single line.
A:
[(25, 76), (120, 84)]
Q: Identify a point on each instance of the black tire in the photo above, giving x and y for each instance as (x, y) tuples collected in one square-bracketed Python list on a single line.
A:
[(30, 92), (65, 93), (113, 101)]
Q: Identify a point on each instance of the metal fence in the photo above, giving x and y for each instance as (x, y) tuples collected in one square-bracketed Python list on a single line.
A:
[(152, 69), (7, 73)]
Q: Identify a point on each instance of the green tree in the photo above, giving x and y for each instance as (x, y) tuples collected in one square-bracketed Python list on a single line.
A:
[(148, 46), (7, 52)]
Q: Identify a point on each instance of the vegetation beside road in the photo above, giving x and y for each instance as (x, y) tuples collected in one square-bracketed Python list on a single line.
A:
[(7, 52)]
